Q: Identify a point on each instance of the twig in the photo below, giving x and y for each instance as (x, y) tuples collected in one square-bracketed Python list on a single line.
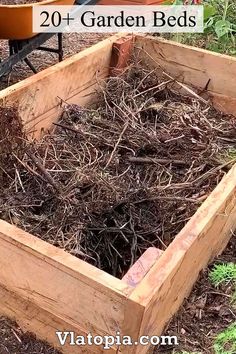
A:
[(117, 143), (154, 88), (173, 198), (47, 176), (67, 127), (156, 161)]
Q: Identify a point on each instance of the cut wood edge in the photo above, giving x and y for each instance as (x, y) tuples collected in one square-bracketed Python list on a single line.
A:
[(81, 74), (142, 266), (121, 53), (170, 280), (190, 65)]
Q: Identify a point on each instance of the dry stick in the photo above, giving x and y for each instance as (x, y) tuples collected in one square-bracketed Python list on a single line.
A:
[(156, 161), (27, 167), (41, 168), (172, 198), (154, 87), (186, 88), (213, 170), (16, 335), (179, 83), (10, 207), (67, 127), (117, 143), (81, 133)]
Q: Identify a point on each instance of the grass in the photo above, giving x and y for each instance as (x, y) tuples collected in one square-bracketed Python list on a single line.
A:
[(225, 342), (223, 274)]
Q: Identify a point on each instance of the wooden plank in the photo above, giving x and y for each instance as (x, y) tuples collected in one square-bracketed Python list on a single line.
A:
[(60, 283), (142, 266), (224, 103), (193, 65), (43, 324), (171, 279), (121, 52), (73, 80)]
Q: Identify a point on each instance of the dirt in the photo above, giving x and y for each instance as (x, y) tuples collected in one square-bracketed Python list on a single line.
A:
[(72, 44), (122, 176), (18, 2), (12, 141), (14, 341), (207, 312)]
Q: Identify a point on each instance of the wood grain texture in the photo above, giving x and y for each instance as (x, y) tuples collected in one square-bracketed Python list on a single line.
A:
[(34, 319), (121, 53), (170, 280), (196, 67), (74, 80), (60, 283), (52, 283), (224, 103), (142, 266)]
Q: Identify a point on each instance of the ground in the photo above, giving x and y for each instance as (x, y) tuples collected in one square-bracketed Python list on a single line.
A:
[(14, 341), (72, 44), (205, 313)]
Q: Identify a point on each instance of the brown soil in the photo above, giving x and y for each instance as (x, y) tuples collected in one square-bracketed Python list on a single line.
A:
[(207, 312), (12, 141), (18, 2), (14, 341), (122, 176), (72, 44)]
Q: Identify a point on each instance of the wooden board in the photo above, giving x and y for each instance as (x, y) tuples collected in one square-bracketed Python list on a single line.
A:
[(34, 319), (38, 278), (60, 283), (204, 236), (196, 67), (75, 80)]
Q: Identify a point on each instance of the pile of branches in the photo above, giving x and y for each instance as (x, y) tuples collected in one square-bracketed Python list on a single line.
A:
[(127, 174)]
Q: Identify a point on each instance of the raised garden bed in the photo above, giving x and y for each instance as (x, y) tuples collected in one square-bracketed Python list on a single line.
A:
[(45, 288)]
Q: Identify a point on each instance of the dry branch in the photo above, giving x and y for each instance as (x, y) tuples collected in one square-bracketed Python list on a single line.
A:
[(129, 171)]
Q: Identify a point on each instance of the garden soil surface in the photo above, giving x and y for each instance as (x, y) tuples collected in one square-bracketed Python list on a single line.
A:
[(14, 341), (207, 312), (119, 177)]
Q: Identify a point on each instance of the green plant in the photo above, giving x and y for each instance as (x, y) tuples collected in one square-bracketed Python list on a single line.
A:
[(219, 27), (218, 16), (223, 274), (225, 342)]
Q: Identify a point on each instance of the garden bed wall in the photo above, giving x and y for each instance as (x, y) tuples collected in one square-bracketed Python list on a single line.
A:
[(211, 74), (43, 287)]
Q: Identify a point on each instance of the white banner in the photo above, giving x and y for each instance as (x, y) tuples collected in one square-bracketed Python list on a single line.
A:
[(110, 19)]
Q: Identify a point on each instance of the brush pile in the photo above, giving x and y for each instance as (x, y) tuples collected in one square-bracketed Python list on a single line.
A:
[(124, 175)]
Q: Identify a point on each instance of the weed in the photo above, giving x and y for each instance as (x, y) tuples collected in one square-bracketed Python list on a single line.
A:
[(219, 27), (223, 274), (225, 342)]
